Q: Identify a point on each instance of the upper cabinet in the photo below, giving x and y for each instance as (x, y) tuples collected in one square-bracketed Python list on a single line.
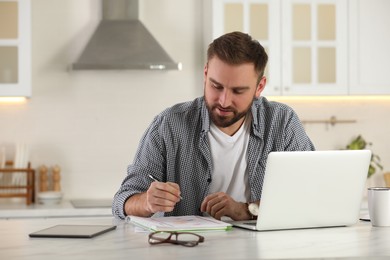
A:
[(369, 53), (314, 49), (15, 48), (309, 43)]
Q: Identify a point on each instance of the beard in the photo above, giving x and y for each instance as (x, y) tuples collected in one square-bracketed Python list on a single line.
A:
[(225, 121)]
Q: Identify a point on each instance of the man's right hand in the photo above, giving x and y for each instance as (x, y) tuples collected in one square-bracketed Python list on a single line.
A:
[(160, 197)]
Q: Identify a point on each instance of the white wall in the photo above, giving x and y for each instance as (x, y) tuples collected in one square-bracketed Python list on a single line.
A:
[(372, 122), (90, 122)]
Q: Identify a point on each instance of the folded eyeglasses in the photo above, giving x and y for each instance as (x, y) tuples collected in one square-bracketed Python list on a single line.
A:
[(178, 238)]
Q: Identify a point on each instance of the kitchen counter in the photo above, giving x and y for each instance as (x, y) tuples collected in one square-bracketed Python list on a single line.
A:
[(65, 208), (94, 208), (356, 242)]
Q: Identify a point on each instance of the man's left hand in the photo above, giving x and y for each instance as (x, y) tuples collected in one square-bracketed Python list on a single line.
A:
[(220, 204)]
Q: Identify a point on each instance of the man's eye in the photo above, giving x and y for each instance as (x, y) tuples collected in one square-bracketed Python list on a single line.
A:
[(217, 86)]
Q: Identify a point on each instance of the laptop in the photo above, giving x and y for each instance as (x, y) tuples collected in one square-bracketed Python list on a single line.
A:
[(311, 189)]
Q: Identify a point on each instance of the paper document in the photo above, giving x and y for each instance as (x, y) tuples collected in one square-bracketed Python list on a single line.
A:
[(183, 223)]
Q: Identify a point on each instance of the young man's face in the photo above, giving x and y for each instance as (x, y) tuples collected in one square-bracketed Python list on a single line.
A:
[(229, 91)]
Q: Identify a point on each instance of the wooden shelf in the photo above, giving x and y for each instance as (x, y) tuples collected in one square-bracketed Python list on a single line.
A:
[(18, 183)]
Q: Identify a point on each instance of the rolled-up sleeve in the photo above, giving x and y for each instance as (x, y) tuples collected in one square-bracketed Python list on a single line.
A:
[(149, 159)]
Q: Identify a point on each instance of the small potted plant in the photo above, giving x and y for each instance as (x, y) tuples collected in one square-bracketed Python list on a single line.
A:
[(359, 143)]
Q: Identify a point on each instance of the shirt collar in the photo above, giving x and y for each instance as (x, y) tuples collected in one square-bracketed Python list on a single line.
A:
[(205, 116)]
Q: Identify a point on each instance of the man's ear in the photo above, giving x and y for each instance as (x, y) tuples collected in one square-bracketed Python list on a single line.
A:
[(261, 86)]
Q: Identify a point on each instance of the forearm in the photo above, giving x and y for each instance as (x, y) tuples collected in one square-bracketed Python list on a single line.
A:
[(136, 205)]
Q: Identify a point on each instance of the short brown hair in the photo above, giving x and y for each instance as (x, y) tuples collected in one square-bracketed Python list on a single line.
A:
[(237, 48)]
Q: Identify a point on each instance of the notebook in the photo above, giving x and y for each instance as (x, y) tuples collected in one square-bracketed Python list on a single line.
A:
[(311, 189), (73, 231), (179, 223)]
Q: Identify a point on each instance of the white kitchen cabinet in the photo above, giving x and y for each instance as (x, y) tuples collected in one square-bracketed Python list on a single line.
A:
[(314, 49), (15, 48), (307, 51), (369, 47), (260, 18)]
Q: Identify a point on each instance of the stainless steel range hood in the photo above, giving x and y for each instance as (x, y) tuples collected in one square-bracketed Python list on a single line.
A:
[(122, 42)]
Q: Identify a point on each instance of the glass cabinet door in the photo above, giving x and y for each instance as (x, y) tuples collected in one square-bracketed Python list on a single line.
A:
[(314, 48), (8, 30), (307, 51), (15, 48), (259, 18)]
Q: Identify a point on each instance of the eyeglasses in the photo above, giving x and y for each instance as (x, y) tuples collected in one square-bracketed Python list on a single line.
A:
[(178, 238)]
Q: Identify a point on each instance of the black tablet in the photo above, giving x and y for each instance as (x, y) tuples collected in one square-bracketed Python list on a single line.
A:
[(73, 231)]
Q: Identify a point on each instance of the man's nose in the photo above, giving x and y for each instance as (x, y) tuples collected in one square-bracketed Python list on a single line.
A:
[(225, 99)]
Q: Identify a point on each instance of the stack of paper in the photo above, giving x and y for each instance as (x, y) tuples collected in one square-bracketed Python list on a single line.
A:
[(183, 223)]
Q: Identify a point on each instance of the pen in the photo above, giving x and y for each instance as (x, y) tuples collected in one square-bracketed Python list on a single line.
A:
[(154, 178)]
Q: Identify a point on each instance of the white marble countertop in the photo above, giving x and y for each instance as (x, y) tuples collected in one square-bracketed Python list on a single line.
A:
[(360, 241), (16, 209)]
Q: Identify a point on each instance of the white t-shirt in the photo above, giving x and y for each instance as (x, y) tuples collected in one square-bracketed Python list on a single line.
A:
[(229, 155)]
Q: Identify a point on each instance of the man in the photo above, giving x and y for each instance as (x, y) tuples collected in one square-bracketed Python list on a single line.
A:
[(209, 155)]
